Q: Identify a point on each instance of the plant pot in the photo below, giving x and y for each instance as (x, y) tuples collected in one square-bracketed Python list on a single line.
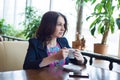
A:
[(76, 45), (100, 48)]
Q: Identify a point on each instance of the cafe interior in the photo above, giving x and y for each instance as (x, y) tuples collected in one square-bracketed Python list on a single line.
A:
[(93, 28)]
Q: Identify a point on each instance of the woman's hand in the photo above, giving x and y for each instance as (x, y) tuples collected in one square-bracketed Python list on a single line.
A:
[(78, 56), (62, 54)]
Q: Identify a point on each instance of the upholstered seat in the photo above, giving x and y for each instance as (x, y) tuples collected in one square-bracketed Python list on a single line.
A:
[(12, 54)]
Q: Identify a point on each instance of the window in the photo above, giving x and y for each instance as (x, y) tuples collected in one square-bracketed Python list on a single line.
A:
[(11, 10)]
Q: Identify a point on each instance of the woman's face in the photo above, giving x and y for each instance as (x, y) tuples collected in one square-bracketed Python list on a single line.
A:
[(59, 27)]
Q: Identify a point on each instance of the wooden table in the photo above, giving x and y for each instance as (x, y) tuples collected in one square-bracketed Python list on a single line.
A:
[(59, 74)]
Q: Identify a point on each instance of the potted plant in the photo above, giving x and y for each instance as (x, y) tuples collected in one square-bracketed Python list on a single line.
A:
[(31, 22), (104, 23), (79, 43), (6, 29)]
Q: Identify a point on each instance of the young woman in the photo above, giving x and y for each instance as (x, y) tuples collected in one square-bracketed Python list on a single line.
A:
[(50, 48)]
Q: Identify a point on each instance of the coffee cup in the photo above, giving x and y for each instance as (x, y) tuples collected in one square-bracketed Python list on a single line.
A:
[(71, 53)]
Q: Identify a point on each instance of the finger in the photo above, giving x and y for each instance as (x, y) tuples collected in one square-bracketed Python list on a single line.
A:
[(76, 55), (64, 48), (77, 50), (66, 51)]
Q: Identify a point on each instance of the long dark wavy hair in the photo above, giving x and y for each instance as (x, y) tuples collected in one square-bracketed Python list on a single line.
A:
[(48, 25)]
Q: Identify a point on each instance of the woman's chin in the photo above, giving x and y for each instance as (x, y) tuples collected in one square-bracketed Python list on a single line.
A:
[(60, 36)]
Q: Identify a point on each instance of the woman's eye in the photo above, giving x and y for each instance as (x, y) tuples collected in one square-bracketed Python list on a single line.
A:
[(59, 24)]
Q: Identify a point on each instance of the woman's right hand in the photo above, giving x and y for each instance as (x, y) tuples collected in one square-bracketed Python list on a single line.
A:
[(62, 54)]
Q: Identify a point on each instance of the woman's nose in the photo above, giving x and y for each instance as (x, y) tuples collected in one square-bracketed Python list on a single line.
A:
[(63, 28)]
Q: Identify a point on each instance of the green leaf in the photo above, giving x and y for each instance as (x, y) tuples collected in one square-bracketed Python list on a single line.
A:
[(92, 24), (93, 1), (118, 22), (102, 30), (118, 3), (88, 17), (99, 28), (78, 2), (86, 0), (112, 28), (93, 30), (98, 8), (2, 22)]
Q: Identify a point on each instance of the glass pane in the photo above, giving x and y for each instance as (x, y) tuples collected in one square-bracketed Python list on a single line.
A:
[(70, 12), (42, 5), (19, 10), (8, 12), (11, 10), (1, 8)]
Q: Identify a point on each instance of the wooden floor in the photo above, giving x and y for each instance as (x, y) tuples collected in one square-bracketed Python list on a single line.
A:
[(105, 64)]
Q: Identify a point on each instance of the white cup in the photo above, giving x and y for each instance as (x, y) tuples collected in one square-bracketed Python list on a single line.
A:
[(71, 53)]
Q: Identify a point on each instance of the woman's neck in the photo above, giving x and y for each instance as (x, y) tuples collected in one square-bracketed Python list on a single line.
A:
[(52, 43)]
